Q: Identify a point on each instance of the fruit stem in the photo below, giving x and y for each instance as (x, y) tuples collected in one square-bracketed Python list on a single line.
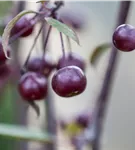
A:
[(69, 44), (46, 40), (102, 100), (34, 43), (62, 44)]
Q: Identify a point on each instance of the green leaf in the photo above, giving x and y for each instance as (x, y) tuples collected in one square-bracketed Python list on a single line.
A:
[(8, 28), (22, 133), (98, 51), (61, 27)]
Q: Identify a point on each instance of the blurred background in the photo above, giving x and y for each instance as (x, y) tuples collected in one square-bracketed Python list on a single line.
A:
[(98, 21)]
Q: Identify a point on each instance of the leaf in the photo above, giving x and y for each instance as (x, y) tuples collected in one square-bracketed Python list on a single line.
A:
[(18, 132), (8, 28), (61, 27), (98, 51)]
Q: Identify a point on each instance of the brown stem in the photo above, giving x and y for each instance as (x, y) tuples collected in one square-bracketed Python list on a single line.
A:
[(102, 101)]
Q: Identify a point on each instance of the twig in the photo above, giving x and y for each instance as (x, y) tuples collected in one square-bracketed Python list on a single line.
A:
[(102, 101), (62, 44), (46, 40), (34, 43)]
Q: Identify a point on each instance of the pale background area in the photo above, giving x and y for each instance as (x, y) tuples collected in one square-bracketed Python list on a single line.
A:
[(120, 123)]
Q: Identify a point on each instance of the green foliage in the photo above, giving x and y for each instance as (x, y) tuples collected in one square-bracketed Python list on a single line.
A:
[(5, 7), (98, 51), (63, 28), (7, 115)]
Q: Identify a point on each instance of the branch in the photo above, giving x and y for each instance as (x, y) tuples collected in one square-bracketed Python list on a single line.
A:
[(102, 101), (51, 120)]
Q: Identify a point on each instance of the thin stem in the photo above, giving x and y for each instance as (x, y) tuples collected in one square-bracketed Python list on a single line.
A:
[(59, 4), (102, 101), (69, 44), (62, 44), (34, 43), (46, 40)]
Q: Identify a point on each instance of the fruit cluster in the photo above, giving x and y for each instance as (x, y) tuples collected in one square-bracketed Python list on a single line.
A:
[(69, 78)]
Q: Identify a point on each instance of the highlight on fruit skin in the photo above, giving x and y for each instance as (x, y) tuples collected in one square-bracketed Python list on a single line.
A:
[(124, 38), (69, 81)]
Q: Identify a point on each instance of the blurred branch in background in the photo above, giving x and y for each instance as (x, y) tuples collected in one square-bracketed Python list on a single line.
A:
[(102, 100), (20, 107), (7, 105)]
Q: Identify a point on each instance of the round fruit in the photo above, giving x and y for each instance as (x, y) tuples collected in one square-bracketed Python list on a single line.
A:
[(71, 59), (21, 25), (2, 54), (69, 81), (33, 86), (38, 64), (124, 38)]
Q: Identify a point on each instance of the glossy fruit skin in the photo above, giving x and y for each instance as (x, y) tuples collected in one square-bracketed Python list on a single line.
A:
[(71, 59), (38, 64), (69, 81), (124, 38), (21, 25), (2, 54), (33, 86)]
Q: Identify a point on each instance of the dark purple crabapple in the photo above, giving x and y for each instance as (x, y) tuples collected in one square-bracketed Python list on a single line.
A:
[(38, 64), (124, 38), (22, 24), (71, 59), (33, 86), (69, 81)]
